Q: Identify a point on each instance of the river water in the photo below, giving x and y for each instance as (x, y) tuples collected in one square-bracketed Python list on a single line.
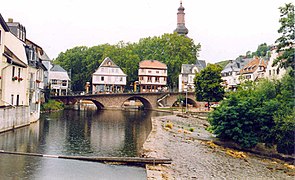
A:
[(76, 133)]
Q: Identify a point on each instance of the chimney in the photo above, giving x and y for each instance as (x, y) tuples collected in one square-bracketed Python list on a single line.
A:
[(10, 20)]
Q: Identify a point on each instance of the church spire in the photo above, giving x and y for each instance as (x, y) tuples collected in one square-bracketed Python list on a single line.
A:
[(181, 29)]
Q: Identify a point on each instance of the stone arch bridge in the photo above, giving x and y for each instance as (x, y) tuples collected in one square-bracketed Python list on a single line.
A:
[(110, 101)]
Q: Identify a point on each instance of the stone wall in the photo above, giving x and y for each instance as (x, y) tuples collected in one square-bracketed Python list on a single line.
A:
[(14, 117)]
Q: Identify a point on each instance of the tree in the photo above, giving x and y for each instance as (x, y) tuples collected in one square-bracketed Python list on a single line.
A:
[(262, 50), (285, 46), (208, 84), (171, 49), (260, 113)]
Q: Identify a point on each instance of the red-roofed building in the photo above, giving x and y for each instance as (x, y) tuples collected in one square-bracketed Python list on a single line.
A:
[(254, 70), (152, 76)]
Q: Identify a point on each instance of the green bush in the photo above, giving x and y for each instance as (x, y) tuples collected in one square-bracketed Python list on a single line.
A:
[(258, 113), (52, 105)]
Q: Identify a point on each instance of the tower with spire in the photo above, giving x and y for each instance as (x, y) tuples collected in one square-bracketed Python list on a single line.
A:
[(181, 29)]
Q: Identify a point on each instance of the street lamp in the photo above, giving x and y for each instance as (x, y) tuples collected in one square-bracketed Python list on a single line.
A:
[(186, 89)]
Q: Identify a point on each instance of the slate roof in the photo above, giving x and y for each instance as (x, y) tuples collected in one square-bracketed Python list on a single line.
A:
[(236, 65), (201, 64), (188, 68), (57, 68), (231, 67), (57, 72), (153, 64), (45, 57)]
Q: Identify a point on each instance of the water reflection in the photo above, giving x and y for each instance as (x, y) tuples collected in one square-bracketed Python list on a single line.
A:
[(89, 133)]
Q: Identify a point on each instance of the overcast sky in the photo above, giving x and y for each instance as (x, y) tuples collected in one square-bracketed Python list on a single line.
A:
[(224, 28)]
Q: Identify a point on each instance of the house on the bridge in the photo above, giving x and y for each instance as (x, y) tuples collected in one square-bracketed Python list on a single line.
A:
[(108, 78), (152, 76), (187, 75)]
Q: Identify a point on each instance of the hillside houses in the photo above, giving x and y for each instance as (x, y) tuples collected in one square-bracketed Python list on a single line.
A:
[(252, 69)]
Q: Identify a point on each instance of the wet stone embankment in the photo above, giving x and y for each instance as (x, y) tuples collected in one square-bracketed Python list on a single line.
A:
[(195, 156)]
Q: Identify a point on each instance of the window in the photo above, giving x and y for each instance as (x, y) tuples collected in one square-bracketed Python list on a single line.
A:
[(12, 99), (157, 79), (54, 81), (149, 79), (18, 72), (157, 72), (164, 78), (64, 82), (102, 78), (269, 72), (0, 37), (190, 79), (17, 100), (13, 71), (142, 70), (248, 77), (278, 71), (149, 71), (121, 79), (141, 78)]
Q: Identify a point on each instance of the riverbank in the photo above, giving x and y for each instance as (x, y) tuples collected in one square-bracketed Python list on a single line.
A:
[(195, 156)]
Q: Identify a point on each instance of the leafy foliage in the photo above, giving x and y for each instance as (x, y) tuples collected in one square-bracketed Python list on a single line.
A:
[(261, 113), (263, 50), (208, 84), (52, 105), (285, 45), (171, 49)]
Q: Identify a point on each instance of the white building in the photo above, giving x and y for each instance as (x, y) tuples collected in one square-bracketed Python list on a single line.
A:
[(58, 80), (187, 75), (152, 76), (274, 72), (231, 72), (108, 78), (13, 69), (254, 70)]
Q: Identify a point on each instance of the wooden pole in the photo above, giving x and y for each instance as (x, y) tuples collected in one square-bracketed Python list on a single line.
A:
[(121, 160)]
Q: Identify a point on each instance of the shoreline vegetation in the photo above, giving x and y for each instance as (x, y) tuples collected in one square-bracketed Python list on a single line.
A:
[(197, 154), (51, 106)]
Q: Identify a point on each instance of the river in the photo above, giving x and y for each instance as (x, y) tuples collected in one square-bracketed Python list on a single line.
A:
[(76, 133)]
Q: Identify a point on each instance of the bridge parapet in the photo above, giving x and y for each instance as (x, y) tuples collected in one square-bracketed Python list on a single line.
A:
[(105, 101)]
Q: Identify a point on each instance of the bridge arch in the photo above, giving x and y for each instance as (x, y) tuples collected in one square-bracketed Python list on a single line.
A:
[(190, 101), (145, 102), (98, 104)]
